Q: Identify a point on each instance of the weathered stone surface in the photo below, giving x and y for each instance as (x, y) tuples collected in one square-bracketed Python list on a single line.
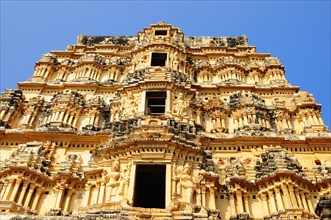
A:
[(162, 126)]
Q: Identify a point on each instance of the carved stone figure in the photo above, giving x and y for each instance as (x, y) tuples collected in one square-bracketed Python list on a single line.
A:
[(113, 181), (180, 106), (186, 183), (130, 105)]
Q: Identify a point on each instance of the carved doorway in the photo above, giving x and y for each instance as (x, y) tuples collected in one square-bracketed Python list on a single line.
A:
[(150, 186)]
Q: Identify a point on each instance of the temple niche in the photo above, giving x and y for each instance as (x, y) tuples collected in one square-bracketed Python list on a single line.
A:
[(162, 126)]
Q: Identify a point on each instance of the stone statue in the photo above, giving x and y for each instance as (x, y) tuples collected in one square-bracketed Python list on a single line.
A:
[(129, 105), (125, 179), (180, 106), (186, 183), (113, 181)]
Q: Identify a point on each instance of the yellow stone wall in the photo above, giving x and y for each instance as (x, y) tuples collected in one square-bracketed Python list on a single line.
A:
[(234, 139)]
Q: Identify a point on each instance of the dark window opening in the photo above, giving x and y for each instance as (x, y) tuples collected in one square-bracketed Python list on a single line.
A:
[(150, 186), (155, 103), (161, 32), (159, 59)]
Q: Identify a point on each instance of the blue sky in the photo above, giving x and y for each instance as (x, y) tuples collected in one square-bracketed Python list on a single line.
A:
[(297, 32)]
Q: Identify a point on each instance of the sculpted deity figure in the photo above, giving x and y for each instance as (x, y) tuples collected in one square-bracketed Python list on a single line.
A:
[(186, 183), (113, 181), (125, 179), (130, 105), (180, 106)]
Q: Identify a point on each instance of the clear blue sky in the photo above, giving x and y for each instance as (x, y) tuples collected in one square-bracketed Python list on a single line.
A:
[(298, 32)]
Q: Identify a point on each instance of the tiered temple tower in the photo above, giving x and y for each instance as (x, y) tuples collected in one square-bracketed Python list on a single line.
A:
[(162, 126)]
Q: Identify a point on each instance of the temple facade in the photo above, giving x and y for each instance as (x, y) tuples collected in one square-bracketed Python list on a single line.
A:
[(162, 126)]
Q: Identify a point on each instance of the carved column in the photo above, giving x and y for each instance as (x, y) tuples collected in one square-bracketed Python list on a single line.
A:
[(8, 189), (87, 195), (304, 201), (287, 199), (16, 187), (272, 201), (239, 202), (24, 188), (101, 193), (293, 199), (212, 202), (297, 195), (37, 198), (28, 198), (265, 203), (310, 204), (3, 190), (59, 198), (203, 195), (97, 191), (232, 205), (68, 200), (279, 199), (246, 202)]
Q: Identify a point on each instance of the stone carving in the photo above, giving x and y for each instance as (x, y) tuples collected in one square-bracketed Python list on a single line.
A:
[(73, 133), (180, 106), (234, 168), (323, 208), (186, 183), (276, 160), (71, 164), (113, 182), (31, 111), (10, 102), (129, 106)]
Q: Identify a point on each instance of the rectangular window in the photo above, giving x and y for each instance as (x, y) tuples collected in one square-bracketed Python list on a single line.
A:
[(161, 32), (158, 59), (150, 184), (155, 102)]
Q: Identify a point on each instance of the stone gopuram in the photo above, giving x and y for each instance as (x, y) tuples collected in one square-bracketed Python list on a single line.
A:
[(162, 126)]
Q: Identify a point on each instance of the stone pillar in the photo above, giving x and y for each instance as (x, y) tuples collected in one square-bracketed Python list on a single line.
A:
[(101, 193), (68, 200), (37, 198), (97, 192), (70, 119), (304, 201), (315, 119), (246, 202), (3, 190), (212, 202), (297, 195), (273, 208), (75, 120), (65, 120), (287, 199), (310, 204), (59, 198), (203, 195), (293, 199), (87, 195), (28, 198), (61, 116), (265, 203), (131, 183), (16, 187), (232, 205), (279, 199), (8, 189), (239, 202), (24, 188)]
